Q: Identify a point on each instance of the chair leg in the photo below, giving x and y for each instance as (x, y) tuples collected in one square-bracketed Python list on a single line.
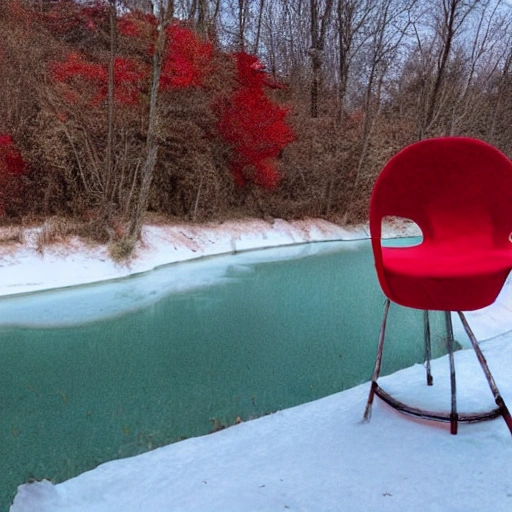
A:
[(490, 379), (428, 347), (378, 363), (454, 417)]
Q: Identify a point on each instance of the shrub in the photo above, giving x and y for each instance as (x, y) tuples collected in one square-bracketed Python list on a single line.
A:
[(254, 126), (12, 168)]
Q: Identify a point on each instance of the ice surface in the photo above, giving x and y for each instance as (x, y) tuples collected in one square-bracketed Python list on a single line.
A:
[(81, 304)]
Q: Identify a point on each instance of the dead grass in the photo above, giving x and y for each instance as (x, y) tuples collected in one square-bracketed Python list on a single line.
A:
[(122, 249), (11, 235), (56, 230)]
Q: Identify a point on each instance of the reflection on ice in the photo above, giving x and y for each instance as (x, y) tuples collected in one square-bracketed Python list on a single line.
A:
[(82, 304)]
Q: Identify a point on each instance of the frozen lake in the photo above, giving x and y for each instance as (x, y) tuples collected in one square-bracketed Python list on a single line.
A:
[(99, 372)]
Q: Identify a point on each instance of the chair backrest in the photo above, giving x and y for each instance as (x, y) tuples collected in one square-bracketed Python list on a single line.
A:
[(459, 192), (452, 187)]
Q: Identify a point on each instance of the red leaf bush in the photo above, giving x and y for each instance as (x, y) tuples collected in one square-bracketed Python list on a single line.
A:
[(254, 126), (250, 123), (128, 78), (187, 60)]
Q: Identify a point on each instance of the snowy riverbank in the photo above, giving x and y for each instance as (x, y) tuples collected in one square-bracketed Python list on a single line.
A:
[(70, 262)]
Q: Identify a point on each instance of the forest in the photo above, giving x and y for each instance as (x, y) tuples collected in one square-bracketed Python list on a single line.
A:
[(114, 112)]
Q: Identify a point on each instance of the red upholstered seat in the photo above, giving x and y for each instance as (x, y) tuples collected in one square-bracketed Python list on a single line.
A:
[(459, 192)]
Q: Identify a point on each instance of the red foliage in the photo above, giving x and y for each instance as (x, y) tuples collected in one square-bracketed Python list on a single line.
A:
[(93, 15), (128, 27), (254, 126), (187, 59), (128, 77), (136, 24), (75, 67), (11, 162), (12, 167), (186, 63), (250, 71)]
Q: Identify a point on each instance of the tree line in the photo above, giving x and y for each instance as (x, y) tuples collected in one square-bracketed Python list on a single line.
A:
[(207, 109)]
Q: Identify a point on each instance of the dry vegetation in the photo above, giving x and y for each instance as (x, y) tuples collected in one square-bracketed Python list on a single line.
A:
[(363, 79)]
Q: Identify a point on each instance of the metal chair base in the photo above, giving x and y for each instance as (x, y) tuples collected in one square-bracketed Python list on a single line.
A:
[(453, 417), (432, 415)]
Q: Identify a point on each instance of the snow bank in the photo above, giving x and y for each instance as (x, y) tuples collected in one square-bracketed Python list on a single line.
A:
[(23, 269)]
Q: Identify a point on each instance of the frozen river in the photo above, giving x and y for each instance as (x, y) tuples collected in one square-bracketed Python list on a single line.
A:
[(99, 372)]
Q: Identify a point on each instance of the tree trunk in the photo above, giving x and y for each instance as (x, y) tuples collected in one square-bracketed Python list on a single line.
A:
[(319, 23), (109, 164), (242, 21), (258, 28), (165, 15), (316, 67)]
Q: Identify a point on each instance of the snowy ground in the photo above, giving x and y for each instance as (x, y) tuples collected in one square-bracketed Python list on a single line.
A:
[(23, 269), (316, 457)]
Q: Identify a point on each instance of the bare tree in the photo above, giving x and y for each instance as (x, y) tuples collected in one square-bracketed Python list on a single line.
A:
[(351, 18), (481, 62), (204, 14), (258, 27), (140, 5), (320, 13), (107, 203), (285, 38), (352, 21), (390, 24), (165, 13), (500, 106), (448, 24)]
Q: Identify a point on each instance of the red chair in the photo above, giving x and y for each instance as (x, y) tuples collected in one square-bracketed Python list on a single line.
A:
[(459, 192)]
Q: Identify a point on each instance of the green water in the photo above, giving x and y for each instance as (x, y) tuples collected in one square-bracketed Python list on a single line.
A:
[(268, 335)]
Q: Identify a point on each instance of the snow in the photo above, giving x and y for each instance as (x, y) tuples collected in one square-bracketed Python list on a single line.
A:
[(316, 457), (25, 270)]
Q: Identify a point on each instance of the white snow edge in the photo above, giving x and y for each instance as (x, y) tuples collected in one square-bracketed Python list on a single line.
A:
[(72, 262)]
